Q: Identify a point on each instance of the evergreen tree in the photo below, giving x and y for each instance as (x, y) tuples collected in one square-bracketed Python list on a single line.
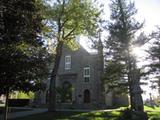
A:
[(154, 56), (23, 55), (154, 52), (122, 28)]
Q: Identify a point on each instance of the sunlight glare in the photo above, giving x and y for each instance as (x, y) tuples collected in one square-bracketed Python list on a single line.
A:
[(140, 55), (138, 52)]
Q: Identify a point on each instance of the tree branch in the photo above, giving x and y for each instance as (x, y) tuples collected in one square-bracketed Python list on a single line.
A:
[(65, 37), (62, 25)]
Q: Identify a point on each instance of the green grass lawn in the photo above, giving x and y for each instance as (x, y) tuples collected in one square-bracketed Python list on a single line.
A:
[(147, 108), (154, 114), (73, 116), (82, 116), (95, 115)]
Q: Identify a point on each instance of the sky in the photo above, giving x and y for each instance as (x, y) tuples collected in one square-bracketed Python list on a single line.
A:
[(148, 11)]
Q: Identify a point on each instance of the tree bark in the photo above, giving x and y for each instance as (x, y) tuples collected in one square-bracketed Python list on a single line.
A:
[(52, 86), (6, 105), (130, 82), (130, 92)]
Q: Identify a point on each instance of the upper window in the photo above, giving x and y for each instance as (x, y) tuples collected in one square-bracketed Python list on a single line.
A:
[(67, 62), (86, 74)]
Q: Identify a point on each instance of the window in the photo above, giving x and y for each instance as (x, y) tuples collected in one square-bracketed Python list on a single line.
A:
[(86, 74), (67, 62)]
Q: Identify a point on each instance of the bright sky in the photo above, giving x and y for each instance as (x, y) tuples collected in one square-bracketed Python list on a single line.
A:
[(148, 11)]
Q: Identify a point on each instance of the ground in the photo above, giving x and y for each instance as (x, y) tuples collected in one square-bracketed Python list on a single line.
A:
[(153, 113), (73, 116)]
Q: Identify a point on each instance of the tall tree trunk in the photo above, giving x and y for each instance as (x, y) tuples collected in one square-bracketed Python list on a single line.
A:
[(134, 86), (131, 92), (6, 105), (130, 82), (52, 86)]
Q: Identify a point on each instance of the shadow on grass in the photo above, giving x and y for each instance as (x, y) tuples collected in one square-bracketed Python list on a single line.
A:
[(112, 115), (93, 115), (72, 116)]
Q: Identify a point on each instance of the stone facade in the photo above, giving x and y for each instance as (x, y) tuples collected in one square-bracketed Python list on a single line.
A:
[(80, 71), (86, 91)]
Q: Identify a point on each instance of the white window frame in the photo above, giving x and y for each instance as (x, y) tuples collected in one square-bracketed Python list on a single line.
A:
[(67, 62), (86, 75)]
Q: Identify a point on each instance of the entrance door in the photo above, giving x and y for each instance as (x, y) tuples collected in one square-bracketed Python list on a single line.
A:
[(66, 92), (87, 96)]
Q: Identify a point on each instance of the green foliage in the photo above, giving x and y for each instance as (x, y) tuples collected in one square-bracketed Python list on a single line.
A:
[(65, 94), (23, 55), (154, 57), (67, 19), (122, 28), (22, 95), (114, 77), (154, 52), (113, 71)]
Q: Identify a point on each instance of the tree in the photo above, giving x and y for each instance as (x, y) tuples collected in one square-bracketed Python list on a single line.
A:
[(68, 19), (65, 93), (154, 56), (113, 74), (154, 52), (122, 29), (23, 55)]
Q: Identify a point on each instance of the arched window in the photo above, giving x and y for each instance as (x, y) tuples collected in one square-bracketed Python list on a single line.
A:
[(87, 96)]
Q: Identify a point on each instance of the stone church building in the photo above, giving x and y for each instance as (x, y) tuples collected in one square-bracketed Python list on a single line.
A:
[(79, 82)]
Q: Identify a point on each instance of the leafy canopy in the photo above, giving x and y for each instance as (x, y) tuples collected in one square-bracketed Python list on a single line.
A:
[(68, 19), (23, 56), (122, 28)]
